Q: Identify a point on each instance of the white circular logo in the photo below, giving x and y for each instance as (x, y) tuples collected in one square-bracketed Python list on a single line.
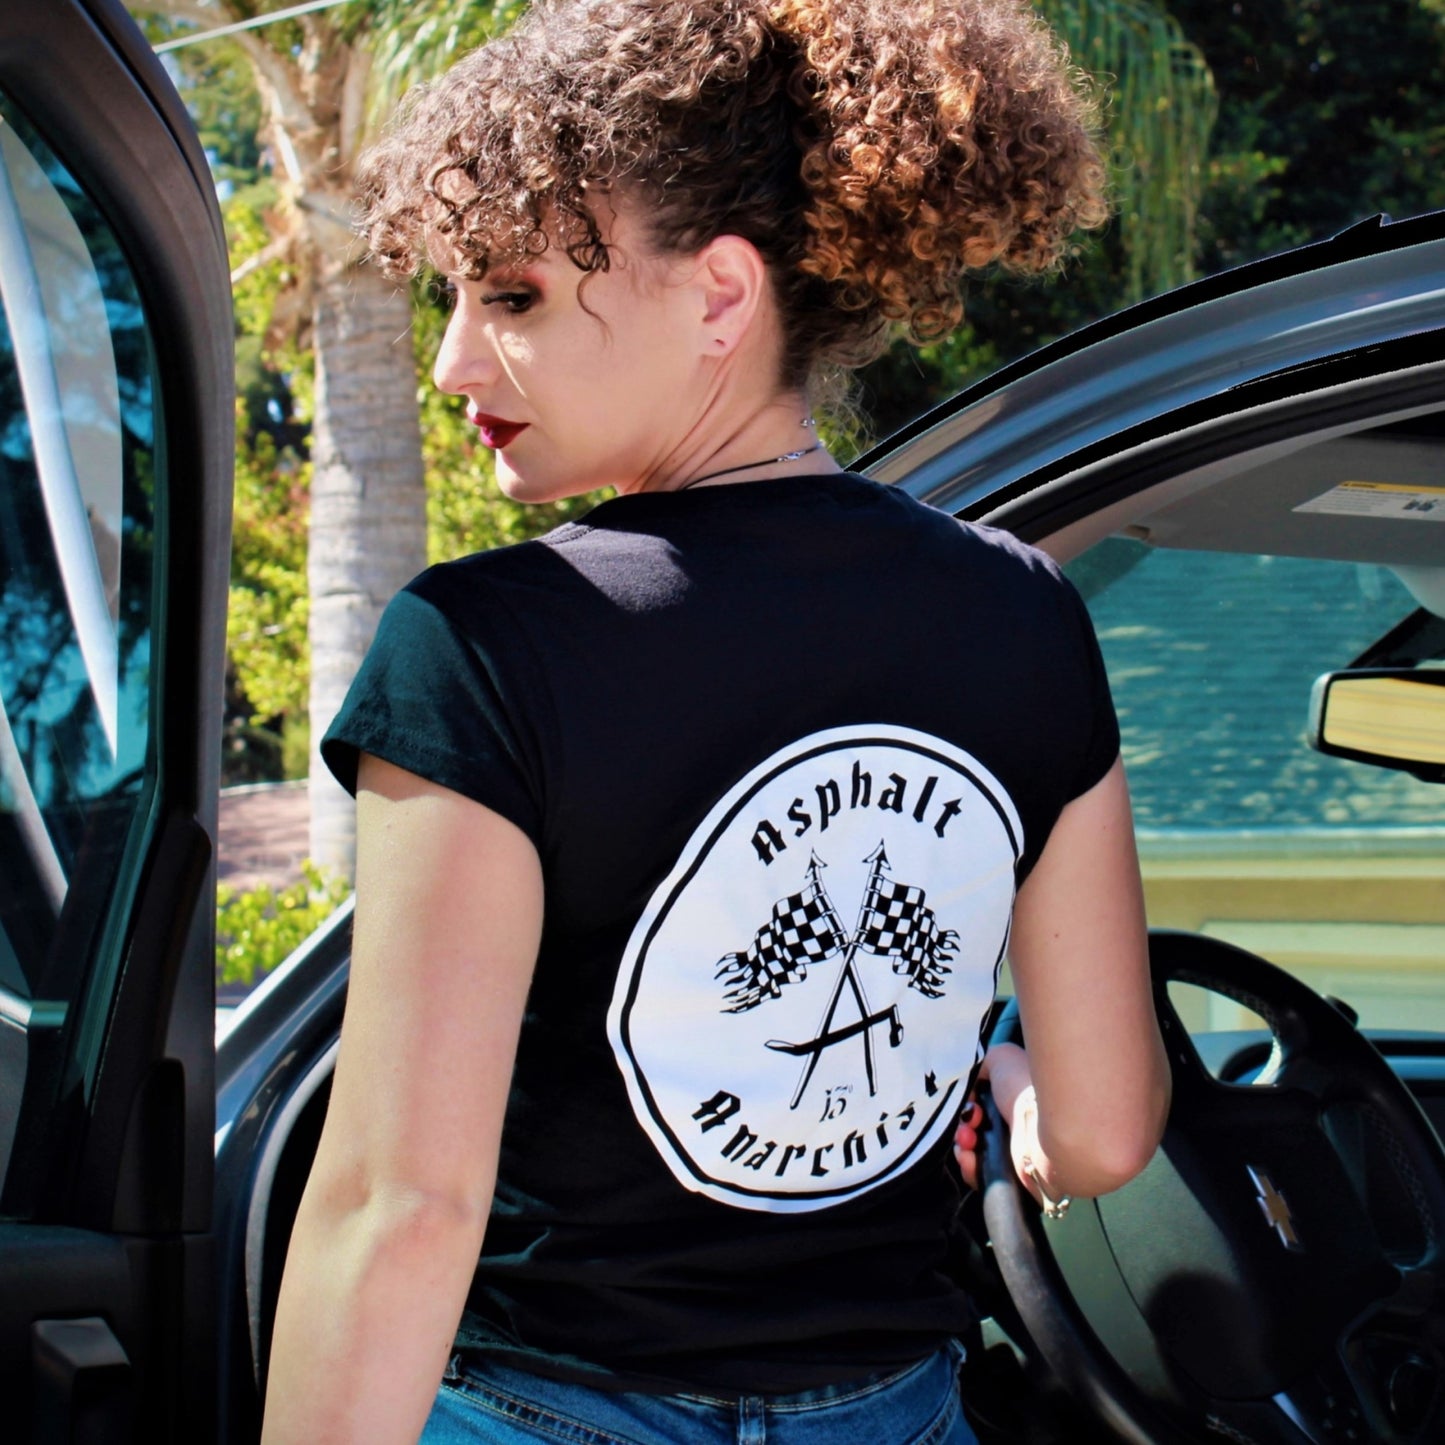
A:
[(800, 1002)]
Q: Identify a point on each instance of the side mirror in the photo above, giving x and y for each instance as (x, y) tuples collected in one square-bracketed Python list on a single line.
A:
[(1391, 717)]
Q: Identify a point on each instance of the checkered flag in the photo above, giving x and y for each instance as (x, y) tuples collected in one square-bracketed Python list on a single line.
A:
[(895, 923), (804, 929)]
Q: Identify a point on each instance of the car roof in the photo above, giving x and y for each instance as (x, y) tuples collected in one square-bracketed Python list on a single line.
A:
[(1368, 489), (1376, 282)]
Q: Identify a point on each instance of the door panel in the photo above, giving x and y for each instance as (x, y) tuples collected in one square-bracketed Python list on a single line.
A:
[(116, 438)]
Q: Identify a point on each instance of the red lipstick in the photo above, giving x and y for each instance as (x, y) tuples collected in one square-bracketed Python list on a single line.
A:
[(495, 431)]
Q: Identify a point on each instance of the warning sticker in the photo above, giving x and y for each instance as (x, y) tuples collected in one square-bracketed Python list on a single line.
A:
[(1381, 499)]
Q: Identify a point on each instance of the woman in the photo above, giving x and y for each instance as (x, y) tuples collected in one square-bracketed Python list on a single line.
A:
[(691, 835)]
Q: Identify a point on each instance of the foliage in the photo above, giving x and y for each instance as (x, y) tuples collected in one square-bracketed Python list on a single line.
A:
[(412, 42), (1161, 109), (1331, 111), (261, 927), (219, 92), (264, 282), (266, 624), (908, 380)]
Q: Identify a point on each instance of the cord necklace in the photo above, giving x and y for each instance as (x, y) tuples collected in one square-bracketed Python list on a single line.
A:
[(748, 466)]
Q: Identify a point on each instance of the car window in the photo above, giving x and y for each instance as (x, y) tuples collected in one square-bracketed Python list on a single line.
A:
[(77, 479), (1327, 867)]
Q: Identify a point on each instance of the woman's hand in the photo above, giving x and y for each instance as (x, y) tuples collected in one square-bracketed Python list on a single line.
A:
[(1005, 1068), (966, 1136)]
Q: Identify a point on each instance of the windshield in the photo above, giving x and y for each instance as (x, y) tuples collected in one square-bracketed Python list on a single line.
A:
[(1327, 867)]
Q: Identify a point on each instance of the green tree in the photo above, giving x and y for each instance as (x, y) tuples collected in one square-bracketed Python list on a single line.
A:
[(1161, 109), (262, 926), (266, 625), (1331, 111)]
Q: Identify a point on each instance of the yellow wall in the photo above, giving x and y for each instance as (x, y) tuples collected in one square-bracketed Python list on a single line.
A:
[(1360, 917)]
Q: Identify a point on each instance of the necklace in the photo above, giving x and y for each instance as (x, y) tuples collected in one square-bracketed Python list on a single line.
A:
[(766, 462), (748, 466)]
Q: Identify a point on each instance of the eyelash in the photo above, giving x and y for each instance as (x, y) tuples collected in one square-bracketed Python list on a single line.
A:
[(516, 302)]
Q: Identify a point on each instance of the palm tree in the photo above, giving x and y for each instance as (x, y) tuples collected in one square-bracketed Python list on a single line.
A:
[(367, 537)]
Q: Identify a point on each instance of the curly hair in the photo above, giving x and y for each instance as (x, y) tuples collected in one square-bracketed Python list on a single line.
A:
[(874, 151)]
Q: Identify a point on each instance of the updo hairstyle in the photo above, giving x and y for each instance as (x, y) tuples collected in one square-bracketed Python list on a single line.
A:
[(872, 150)]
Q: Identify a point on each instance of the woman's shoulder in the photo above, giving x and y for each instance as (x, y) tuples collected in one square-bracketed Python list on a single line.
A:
[(977, 543), (491, 570), (1010, 551)]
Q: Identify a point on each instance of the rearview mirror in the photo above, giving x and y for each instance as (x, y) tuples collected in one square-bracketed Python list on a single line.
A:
[(1392, 717)]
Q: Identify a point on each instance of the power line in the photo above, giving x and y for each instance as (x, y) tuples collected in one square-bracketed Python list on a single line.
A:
[(254, 23)]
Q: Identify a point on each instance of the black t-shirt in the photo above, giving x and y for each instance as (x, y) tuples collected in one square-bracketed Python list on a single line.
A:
[(786, 750)]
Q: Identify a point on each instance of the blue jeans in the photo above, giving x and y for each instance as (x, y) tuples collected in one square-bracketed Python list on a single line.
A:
[(480, 1400)]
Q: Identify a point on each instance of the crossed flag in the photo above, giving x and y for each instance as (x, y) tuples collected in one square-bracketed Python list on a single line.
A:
[(897, 925), (894, 921)]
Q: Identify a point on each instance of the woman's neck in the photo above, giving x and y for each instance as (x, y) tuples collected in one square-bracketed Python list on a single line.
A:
[(780, 440)]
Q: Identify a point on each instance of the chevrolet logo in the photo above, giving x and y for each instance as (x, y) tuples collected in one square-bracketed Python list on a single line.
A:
[(1274, 1207)]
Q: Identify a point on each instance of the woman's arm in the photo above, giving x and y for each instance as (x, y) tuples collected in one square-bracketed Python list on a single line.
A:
[(448, 918), (1087, 1103)]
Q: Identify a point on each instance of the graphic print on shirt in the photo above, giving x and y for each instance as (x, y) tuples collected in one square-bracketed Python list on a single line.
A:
[(799, 1005)]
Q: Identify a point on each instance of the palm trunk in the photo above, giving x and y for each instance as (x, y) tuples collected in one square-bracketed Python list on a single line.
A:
[(368, 508)]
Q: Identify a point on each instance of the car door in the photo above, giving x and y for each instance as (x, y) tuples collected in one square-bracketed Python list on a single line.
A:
[(116, 436)]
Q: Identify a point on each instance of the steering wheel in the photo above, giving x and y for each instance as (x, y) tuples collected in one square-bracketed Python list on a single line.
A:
[(1274, 1276)]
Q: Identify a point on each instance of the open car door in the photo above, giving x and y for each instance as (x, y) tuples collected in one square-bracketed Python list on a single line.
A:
[(116, 438)]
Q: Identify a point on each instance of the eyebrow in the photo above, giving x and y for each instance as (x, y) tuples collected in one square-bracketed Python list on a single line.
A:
[(522, 275), (510, 276)]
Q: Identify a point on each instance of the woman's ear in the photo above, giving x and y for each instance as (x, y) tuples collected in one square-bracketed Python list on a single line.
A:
[(733, 279)]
